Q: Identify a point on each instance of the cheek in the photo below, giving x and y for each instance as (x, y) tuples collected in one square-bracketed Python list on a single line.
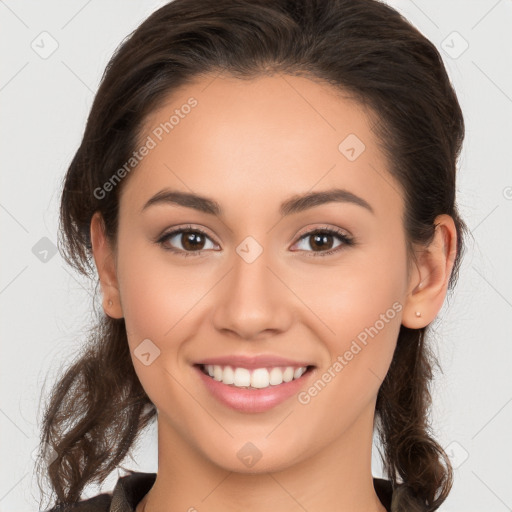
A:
[(360, 306), (155, 296), (353, 294), (155, 291)]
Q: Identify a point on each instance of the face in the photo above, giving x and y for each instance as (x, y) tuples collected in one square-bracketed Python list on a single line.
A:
[(319, 282)]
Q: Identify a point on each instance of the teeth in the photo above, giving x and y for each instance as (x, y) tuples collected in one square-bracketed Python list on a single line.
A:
[(258, 378)]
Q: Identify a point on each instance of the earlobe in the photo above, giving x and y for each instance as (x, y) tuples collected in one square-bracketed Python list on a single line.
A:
[(105, 265), (429, 281)]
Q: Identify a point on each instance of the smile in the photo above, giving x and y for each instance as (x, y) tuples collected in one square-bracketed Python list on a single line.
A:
[(258, 378), (253, 390)]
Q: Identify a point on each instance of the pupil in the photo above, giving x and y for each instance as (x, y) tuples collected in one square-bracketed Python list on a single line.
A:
[(321, 239), (189, 240)]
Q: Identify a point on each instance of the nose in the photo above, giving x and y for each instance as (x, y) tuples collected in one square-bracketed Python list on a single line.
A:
[(253, 301)]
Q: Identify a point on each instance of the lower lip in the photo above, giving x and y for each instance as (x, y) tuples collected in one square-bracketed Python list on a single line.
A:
[(253, 400)]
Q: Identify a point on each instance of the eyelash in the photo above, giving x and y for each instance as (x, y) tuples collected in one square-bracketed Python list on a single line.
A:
[(346, 240)]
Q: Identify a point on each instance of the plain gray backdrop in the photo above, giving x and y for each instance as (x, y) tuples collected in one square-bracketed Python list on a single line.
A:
[(52, 57)]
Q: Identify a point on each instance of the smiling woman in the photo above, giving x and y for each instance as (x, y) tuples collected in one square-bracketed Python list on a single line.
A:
[(272, 259)]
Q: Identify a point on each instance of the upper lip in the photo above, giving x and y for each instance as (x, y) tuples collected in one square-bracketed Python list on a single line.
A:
[(252, 362)]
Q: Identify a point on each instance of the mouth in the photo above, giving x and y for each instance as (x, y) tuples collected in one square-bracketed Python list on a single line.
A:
[(254, 378)]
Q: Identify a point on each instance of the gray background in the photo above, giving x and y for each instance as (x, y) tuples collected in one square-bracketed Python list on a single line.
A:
[(45, 307)]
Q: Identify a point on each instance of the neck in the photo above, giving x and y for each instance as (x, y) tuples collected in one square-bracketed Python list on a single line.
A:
[(338, 477)]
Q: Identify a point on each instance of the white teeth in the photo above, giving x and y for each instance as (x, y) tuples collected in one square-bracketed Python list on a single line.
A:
[(276, 376), (288, 374), (217, 373), (258, 378), (242, 377), (228, 375), (298, 372)]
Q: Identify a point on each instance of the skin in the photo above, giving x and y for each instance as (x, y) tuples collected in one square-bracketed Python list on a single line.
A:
[(250, 145)]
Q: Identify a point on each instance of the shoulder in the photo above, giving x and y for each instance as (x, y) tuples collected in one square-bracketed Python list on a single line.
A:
[(98, 503), (127, 493)]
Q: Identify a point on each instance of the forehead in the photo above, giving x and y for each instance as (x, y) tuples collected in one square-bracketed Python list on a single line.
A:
[(248, 141)]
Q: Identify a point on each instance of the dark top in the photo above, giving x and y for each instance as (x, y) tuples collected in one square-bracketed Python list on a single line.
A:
[(131, 488)]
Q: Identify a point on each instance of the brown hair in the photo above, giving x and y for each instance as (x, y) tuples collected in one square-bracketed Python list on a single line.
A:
[(98, 408)]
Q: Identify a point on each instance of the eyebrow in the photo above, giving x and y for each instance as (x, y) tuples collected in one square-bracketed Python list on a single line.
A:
[(294, 204)]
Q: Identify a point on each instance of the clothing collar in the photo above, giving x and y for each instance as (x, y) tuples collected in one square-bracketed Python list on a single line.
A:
[(130, 489)]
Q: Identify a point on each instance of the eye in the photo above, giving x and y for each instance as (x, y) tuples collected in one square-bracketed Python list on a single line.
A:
[(321, 239), (192, 241)]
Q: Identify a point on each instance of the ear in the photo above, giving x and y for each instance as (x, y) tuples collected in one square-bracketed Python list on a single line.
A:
[(105, 264), (428, 282)]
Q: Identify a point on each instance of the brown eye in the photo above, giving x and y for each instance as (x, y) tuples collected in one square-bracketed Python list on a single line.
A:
[(192, 240), (186, 241), (321, 241)]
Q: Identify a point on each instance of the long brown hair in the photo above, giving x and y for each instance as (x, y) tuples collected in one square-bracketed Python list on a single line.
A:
[(98, 408)]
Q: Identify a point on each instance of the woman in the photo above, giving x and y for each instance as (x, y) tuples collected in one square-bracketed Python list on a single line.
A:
[(267, 193)]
